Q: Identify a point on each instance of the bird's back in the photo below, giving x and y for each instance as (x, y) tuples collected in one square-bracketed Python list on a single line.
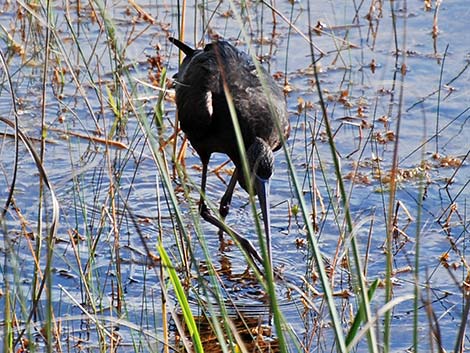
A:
[(202, 104)]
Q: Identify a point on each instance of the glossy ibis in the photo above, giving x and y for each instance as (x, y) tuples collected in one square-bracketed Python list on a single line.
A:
[(205, 79)]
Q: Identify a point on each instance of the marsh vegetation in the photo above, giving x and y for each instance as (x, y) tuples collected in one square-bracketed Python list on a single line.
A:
[(102, 246)]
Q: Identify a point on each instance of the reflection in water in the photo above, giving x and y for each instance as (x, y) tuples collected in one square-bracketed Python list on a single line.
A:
[(245, 327), (246, 333)]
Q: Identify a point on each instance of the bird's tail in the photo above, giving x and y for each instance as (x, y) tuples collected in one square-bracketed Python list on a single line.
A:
[(183, 47)]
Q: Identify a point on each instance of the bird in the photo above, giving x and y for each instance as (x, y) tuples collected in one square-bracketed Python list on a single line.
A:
[(203, 83)]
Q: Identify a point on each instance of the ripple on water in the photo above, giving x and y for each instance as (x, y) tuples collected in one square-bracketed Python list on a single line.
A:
[(239, 293)]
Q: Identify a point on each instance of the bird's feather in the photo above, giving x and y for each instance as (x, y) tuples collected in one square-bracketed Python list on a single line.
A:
[(202, 104)]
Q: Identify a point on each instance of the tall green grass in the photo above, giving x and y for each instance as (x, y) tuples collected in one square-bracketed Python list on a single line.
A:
[(81, 242)]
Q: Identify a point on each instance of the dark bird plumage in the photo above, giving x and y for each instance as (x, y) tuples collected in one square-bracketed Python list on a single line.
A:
[(204, 116)]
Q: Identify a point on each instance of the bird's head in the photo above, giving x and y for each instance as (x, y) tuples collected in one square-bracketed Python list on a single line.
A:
[(260, 159)]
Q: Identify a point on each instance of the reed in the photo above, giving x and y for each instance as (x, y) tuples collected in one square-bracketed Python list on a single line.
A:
[(102, 245)]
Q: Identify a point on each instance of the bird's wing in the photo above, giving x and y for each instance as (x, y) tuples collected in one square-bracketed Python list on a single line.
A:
[(197, 82), (257, 97), (200, 92)]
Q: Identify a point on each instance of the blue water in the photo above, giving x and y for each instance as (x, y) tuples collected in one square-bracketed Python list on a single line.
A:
[(82, 172)]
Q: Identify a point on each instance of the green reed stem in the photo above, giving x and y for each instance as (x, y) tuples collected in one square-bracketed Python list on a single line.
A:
[(362, 291), (268, 272), (182, 300), (393, 181)]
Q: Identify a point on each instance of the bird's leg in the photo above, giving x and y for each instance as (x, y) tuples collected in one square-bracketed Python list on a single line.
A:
[(244, 243), (202, 201), (227, 199), (207, 216)]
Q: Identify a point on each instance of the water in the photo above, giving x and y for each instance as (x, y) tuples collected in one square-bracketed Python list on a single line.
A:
[(85, 172)]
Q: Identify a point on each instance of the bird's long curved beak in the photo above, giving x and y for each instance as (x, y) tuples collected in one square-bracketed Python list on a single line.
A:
[(262, 190)]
